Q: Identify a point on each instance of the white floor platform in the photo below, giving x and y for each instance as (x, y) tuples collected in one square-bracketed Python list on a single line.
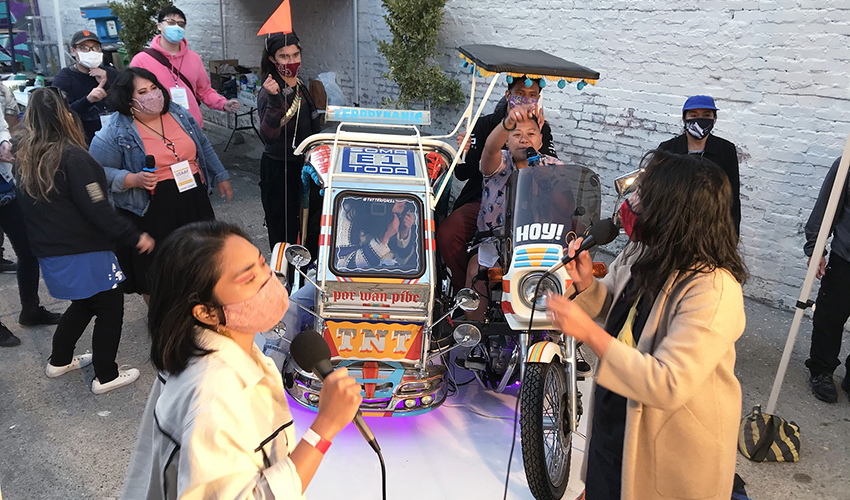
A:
[(453, 452)]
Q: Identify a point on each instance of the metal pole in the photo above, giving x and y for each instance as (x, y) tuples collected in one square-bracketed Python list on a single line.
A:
[(356, 56), (57, 16), (820, 244), (221, 24), (11, 38)]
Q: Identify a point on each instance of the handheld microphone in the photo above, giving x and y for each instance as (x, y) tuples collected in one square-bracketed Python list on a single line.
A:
[(533, 157), (150, 166), (312, 354), (601, 233)]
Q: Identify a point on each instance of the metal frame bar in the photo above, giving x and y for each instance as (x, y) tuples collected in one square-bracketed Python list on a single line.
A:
[(820, 244)]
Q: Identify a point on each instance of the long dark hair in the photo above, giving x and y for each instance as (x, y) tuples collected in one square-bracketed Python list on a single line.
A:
[(120, 95), (685, 221), (184, 274), (48, 128)]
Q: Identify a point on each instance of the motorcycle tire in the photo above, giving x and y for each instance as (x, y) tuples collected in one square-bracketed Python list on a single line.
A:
[(545, 429)]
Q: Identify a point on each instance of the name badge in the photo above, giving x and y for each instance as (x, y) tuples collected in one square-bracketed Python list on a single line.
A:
[(180, 96), (183, 176), (105, 119)]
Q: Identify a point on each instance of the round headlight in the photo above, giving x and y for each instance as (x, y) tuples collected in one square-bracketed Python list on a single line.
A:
[(528, 285)]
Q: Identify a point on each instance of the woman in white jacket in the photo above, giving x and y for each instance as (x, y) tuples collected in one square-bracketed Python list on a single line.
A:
[(217, 424)]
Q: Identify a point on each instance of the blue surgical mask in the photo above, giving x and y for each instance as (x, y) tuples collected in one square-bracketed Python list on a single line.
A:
[(174, 34)]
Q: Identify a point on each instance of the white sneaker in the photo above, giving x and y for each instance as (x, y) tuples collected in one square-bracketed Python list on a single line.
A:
[(76, 363), (125, 377)]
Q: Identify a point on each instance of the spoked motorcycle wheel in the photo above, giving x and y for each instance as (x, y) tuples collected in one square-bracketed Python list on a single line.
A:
[(545, 429)]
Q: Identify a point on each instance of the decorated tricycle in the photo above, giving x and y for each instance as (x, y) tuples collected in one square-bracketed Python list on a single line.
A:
[(383, 298)]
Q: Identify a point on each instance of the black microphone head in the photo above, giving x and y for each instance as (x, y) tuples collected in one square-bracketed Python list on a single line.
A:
[(530, 152), (604, 232), (308, 349), (150, 161)]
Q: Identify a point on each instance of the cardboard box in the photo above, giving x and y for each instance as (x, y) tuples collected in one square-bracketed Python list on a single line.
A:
[(216, 78)]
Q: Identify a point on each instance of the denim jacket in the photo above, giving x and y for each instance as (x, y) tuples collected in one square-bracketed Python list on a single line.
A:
[(119, 149)]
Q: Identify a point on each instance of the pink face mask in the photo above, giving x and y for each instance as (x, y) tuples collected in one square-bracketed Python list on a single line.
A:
[(150, 103), (261, 312)]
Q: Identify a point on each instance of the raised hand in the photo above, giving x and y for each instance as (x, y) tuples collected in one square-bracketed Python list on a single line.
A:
[(271, 85)]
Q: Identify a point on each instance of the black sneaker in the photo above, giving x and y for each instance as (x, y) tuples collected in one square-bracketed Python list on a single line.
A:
[(38, 316), (7, 266), (7, 338), (823, 387), (845, 384)]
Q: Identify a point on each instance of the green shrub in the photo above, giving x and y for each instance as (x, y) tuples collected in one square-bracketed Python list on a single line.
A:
[(138, 22), (414, 25)]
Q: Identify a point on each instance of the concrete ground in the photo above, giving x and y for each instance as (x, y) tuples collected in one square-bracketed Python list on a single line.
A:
[(59, 441)]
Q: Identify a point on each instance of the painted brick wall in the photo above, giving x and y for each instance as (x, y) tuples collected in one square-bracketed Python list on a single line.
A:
[(777, 68)]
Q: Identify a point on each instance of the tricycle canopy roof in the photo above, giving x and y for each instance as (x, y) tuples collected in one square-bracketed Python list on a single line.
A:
[(523, 62)]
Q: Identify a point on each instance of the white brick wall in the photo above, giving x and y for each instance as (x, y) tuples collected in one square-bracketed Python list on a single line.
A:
[(777, 68)]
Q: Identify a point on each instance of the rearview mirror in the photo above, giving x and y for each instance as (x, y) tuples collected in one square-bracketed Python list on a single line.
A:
[(467, 299), (297, 255), (467, 335), (627, 183)]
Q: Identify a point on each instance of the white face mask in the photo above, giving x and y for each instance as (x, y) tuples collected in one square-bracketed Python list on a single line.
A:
[(90, 59)]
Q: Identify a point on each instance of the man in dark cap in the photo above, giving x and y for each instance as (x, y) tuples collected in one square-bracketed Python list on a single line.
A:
[(85, 82)]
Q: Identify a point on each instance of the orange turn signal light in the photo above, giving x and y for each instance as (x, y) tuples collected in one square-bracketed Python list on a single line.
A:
[(600, 270), (494, 274)]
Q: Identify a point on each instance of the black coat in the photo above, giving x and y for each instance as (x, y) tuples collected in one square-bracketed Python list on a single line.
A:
[(470, 170), (77, 217), (725, 155)]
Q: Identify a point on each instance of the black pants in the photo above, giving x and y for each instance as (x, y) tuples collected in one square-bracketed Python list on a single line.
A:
[(12, 223), (281, 192), (831, 313), (108, 307)]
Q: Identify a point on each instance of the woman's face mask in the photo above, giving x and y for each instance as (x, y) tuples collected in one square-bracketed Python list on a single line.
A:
[(150, 103), (261, 312), (628, 216)]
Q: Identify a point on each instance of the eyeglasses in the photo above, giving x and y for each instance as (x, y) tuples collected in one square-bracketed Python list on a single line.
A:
[(172, 22), (89, 48)]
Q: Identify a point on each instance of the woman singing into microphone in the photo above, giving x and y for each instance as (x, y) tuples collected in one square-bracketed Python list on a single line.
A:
[(666, 404), (217, 424)]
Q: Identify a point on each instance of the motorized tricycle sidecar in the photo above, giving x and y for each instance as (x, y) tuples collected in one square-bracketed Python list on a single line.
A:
[(376, 267)]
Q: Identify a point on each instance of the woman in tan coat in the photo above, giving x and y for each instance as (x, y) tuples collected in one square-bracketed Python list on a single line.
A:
[(666, 401)]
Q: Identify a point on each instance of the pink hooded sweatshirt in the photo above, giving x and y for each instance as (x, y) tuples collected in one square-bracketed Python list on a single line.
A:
[(190, 65)]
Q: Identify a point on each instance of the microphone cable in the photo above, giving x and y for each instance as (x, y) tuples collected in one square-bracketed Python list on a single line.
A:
[(521, 385)]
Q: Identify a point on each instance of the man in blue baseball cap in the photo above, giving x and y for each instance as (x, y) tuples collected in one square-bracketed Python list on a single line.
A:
[(699, 114)]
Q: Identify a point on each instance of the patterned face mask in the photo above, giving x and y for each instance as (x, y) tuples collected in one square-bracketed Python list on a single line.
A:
[(150, 103), (261, 312), (289, 69), (519, 100), (699, 128)]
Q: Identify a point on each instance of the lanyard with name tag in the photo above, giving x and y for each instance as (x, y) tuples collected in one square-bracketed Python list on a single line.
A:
[(183, 176), (180, 96)]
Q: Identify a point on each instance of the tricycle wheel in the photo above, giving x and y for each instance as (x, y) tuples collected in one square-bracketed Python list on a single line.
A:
[(545, 429)]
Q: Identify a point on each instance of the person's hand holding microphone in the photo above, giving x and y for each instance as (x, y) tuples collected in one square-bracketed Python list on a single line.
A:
[(570, 318)]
